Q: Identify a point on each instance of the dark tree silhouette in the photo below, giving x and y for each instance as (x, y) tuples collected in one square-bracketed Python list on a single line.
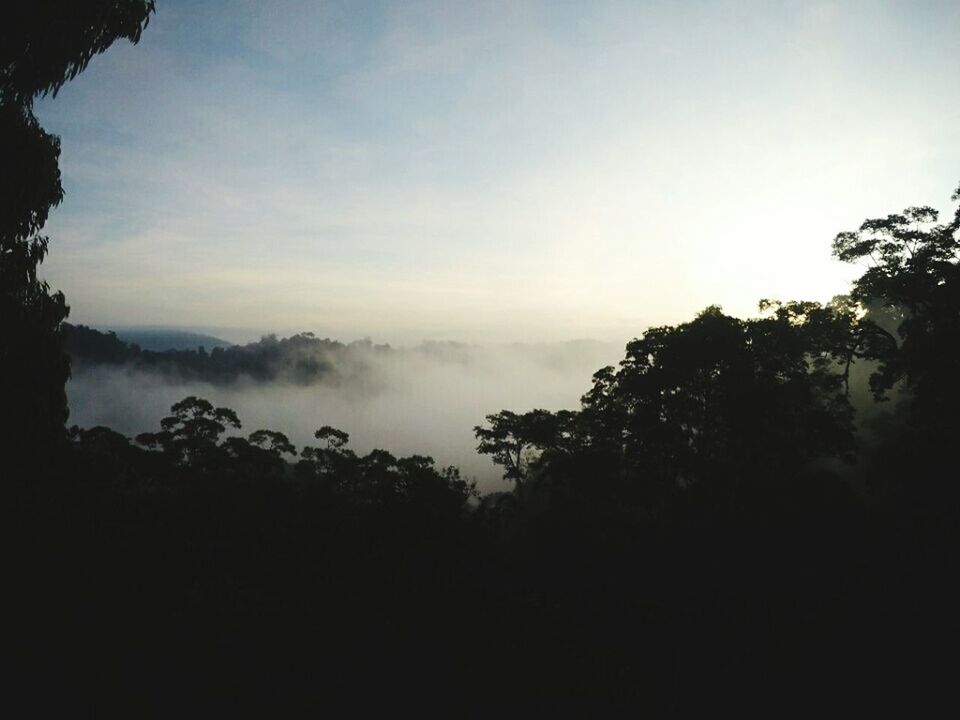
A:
[(191, 434), (42, 45), (515, 440), (914, 272), (714, 399), (261, 453)]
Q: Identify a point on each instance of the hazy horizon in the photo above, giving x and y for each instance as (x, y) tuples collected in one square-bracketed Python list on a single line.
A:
[(242, 336)]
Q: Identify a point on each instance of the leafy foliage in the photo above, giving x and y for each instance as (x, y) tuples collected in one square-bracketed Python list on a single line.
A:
[(45, 43), (913, 270), (42, 45), (716, 400), (191, 434)]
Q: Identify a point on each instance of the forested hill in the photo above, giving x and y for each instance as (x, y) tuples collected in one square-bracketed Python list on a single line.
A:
[(300, 359), (161, 339)]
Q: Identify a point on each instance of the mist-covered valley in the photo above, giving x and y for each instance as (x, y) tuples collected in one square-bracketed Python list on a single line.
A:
[(424, 399)]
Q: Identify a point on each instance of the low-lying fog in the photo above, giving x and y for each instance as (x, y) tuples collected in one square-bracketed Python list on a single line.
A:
[(423, 400)]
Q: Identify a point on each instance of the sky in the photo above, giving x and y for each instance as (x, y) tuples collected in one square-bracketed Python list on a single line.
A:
[(491, 171)]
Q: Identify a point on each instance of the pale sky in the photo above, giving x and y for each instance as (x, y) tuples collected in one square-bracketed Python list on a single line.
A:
[(492, 171)]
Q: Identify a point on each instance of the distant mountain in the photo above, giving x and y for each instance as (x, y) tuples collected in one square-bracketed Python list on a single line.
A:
[(163, 339)]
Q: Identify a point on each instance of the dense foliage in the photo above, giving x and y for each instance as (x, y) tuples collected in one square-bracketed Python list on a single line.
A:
[(42, 44)]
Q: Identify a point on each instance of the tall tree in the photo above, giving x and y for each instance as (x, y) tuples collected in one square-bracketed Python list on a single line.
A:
[(514, 441), (913, 272), (191, 433), (43, 43)]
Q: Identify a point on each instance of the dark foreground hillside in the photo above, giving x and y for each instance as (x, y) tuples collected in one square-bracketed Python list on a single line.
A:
[(232, 581)]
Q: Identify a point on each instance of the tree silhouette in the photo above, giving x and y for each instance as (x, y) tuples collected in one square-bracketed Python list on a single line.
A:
[(42, 45), (334, 464), (190, 435), (913, 271), (261, 453), (514, 441), (273, 441), (717, 400)]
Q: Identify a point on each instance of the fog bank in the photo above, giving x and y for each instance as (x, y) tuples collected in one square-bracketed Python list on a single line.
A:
[(422, 400)]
